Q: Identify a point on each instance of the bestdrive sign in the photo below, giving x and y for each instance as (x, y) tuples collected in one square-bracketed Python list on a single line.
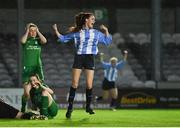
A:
[(138, 98)]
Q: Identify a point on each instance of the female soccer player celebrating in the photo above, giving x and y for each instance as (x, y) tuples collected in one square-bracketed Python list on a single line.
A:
[(110, 76), (86, 40)]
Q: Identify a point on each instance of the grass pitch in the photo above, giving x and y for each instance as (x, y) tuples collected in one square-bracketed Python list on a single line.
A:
[(105, 118)]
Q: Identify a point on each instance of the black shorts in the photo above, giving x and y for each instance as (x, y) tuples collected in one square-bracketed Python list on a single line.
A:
[(107, 85), (7, 111), (84, 61)]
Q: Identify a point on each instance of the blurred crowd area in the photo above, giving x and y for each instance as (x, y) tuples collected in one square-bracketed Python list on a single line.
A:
[(58, 58)]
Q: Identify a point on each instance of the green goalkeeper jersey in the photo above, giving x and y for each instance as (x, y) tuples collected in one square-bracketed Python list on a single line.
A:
[(42, 103), (32, 52), (36, 96)]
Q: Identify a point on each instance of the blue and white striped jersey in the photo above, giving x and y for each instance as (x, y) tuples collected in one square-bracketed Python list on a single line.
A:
[(110, 72), (86, 40)]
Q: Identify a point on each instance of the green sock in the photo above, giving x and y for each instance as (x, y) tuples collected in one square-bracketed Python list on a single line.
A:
[(23, 103), (44, 106)]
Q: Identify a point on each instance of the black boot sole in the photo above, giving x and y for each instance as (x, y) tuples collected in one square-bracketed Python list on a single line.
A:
[(68, 114), (90, 111)]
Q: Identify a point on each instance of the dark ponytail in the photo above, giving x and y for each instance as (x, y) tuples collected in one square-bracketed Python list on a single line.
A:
[(80, 20)]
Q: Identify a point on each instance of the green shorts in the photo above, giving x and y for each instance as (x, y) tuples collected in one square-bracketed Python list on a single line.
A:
[(30, 70), (53, 110)]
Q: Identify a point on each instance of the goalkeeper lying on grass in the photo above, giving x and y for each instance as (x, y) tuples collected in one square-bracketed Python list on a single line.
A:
[(9, 112), (40, 95)]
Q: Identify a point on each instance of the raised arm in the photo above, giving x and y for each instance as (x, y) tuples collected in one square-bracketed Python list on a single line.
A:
[(104, 36), (63, 38), (121, 63), (125, 55), (41, 37), (104, 64), (56, 30), (101, 57), (105, 30), (25, 36)]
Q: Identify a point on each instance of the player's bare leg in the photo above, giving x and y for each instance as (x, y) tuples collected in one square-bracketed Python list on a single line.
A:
[(25, 97), (114, 95), (75, 82)]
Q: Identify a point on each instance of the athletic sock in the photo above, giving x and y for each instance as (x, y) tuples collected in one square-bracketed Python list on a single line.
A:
[(71, 97), (99, 98), (88, 98), (23, 103), (44, 106), (113, 102)]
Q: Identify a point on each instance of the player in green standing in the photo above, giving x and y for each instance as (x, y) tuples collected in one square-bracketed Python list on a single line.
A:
[(31, 41)]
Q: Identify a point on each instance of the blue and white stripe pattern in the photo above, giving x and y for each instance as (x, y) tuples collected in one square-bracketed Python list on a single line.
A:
[(110, 72), (86, 40)]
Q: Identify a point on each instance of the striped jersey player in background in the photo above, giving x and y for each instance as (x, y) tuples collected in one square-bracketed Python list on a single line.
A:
[(86, 40), (110, 75)]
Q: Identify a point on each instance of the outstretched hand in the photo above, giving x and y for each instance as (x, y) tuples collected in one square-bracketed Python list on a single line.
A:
[(55, 27), (28, 26), (101, 56), (56, 30), (125, 54), (125, 51), (103, 28)]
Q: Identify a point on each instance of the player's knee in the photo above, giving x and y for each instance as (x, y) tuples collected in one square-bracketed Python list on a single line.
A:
[(114, 95), (45, 93), (75, 83), (27, 95), (88, 85)]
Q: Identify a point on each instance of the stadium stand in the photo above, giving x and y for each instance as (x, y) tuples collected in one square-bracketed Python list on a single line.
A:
[(140, 45), (58, 58), (8, 65)]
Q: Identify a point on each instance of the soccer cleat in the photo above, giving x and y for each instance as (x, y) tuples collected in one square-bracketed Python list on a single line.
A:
[(113, 108), (90, 111), (39, 117), (98, 98), (68, 114)]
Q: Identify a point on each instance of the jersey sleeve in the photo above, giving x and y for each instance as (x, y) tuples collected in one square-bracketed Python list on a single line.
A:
[(105, 65), (65, 38), (120, 64), (103, 39)]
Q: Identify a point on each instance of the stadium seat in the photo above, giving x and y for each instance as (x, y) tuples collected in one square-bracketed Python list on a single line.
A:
[(150, 84), (138, 84), (173, 78)]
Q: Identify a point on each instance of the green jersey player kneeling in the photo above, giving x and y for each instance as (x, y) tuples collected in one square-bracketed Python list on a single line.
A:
[(40, 95)]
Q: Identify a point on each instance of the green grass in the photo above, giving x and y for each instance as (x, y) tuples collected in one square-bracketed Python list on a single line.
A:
[(106, 118)]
